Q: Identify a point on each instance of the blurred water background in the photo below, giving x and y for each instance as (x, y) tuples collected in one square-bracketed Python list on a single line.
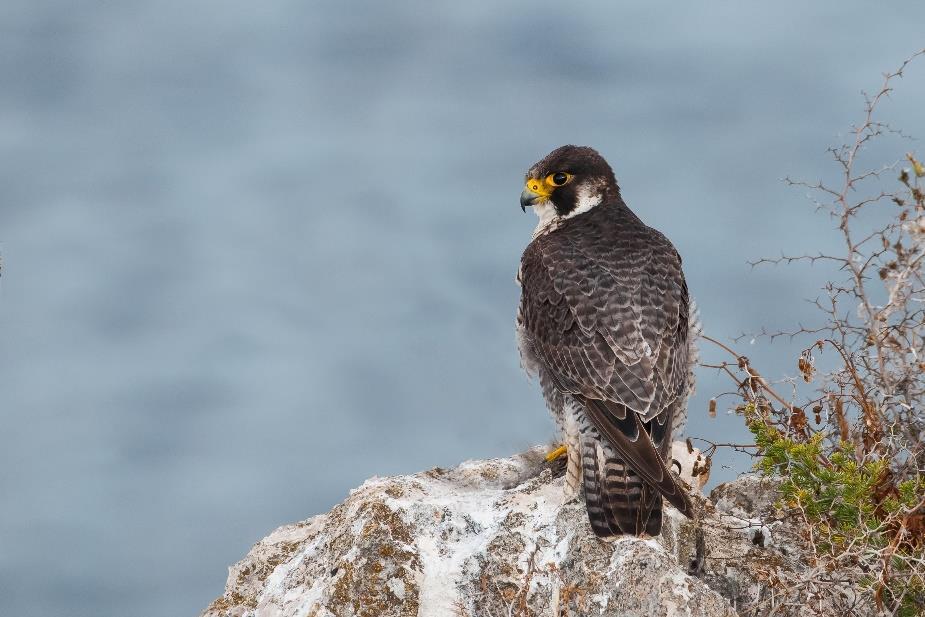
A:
[(255, 253)]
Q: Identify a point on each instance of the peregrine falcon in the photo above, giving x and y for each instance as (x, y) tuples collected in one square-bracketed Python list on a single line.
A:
[(604, 322)]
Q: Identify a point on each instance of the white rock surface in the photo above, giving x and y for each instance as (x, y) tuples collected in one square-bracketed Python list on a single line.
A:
[(491, 538)]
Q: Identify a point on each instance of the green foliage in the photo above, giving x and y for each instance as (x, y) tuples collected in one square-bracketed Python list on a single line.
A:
[(835, 491), (848, 504)]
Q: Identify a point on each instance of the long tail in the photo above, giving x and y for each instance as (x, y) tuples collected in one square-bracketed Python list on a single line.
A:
[(634, 505), (618, 501)]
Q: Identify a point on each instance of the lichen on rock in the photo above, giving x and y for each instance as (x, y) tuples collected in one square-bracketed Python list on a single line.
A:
[(493, 538)]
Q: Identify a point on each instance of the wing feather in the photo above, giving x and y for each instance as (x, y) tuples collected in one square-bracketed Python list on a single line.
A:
[(605, 306)]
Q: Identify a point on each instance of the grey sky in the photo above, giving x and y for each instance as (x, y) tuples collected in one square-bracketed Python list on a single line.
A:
[(257, 252)]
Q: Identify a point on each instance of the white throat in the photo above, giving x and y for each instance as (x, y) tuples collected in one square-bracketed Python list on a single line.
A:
[(546, 213)]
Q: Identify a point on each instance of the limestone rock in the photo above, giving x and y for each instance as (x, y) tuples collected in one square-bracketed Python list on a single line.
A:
[(494, 538)]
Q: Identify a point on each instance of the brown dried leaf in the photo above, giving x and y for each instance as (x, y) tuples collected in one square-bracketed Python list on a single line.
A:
[(798, 419), (817, 412)]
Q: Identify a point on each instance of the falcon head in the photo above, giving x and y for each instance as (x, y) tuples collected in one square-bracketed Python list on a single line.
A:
[(568, 181)]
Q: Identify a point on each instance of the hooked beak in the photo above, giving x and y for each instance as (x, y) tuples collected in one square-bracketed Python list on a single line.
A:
[(528, 198), (535, 191)]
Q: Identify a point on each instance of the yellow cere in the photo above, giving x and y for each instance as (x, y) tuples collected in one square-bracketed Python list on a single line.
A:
[(539, 187), (544, 187)]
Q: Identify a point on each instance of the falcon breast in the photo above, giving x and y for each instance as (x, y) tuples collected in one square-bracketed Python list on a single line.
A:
[(603, 322)]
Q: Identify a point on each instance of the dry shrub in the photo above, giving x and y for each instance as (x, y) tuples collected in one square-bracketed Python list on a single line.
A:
[(851, 451)]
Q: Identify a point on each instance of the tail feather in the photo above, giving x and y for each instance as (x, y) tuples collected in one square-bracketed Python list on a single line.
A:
[(619, 500), (634, 507), (596, 501), (622, 429)]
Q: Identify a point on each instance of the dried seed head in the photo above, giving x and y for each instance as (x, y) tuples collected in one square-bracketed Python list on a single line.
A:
[(806, 366), (798, 419)]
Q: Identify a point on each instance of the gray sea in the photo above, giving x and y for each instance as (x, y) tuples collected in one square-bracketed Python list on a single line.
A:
[(256, 252)]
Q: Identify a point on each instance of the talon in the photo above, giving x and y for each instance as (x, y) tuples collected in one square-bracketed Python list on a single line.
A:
[(557, 453)]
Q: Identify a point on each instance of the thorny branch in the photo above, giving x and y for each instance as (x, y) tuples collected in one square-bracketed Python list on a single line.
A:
[(871, 403)]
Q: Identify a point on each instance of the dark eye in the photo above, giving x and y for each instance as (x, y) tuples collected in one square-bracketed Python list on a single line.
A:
[(560, 178)]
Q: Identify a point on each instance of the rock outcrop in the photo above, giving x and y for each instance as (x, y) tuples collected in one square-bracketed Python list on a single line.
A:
[(494, 538)]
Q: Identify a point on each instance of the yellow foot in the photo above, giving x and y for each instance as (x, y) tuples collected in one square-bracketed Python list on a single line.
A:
[(557, 453)]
